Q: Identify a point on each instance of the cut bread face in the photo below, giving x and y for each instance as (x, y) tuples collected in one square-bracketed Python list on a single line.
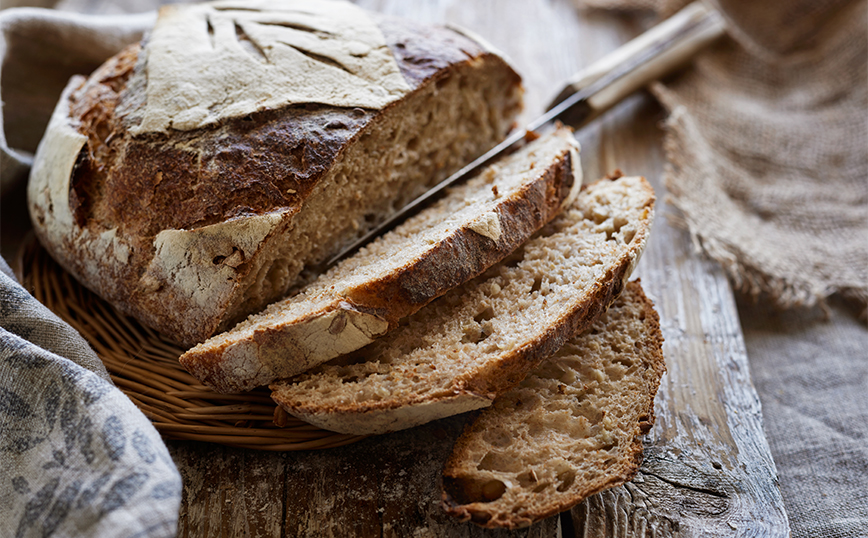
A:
[(572, 428), (473, 227), (192, 228), (485, 336)]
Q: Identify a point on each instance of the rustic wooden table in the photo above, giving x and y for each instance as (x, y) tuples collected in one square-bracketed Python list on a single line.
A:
[(707, 471)]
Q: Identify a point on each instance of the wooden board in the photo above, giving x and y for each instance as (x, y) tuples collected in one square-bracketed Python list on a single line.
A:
[(708, 470)]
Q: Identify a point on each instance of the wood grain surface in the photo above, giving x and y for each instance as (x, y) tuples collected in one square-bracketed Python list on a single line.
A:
[(707, 471)]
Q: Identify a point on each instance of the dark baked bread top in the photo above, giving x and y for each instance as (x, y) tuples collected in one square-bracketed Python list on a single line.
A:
[(250, 165), (190, 229)]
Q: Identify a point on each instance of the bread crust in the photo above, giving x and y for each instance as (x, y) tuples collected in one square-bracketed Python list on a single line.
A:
[(168, 209), (461, 498), (487, 382), (368, 309)]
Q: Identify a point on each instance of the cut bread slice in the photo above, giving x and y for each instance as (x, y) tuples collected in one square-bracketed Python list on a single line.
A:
[(483, 337), (571, 429), (474, 226)]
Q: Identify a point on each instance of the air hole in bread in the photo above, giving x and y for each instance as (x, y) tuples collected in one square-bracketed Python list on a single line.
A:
[(566, 479), (527, 478), (615, 373), (600, 217), (618, 222), (475, 334), (591, 413), (493, 490), (497, 438), (537, 284), (485, 315), (480, 518), (497, 461), (469, 491)]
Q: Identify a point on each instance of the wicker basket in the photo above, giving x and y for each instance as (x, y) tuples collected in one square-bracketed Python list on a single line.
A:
[(145, 367)]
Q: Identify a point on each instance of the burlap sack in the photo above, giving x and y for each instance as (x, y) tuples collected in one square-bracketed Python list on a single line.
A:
[(767, 143)]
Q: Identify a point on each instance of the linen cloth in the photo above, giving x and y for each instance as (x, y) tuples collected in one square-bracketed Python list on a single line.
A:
[(766, 145), (77, 458), (811, 372)]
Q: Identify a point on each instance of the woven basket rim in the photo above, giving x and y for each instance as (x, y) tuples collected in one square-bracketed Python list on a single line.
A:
[(144, 366)]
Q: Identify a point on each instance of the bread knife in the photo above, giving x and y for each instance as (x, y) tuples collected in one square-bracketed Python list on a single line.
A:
[(650, 56)]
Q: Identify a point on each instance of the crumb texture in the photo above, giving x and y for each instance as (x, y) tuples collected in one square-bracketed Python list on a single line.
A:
[(483, 337), (398, 273), (572, 428)]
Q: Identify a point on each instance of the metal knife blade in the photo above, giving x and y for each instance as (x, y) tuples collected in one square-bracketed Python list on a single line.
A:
[(653, 54)]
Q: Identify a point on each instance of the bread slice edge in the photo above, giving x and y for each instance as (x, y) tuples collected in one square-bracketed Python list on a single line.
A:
[(364, 312), (363, 419), (458, 484)]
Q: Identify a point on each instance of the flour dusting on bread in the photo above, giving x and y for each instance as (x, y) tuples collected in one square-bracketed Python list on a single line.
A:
[(263, 55)]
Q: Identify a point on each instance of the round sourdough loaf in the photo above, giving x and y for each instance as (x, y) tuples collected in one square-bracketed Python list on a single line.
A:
[(193, 177)]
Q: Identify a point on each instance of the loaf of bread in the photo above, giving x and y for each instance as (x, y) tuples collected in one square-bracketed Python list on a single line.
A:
[(474, 226), (485, 336), (196, 176), (571, 429)]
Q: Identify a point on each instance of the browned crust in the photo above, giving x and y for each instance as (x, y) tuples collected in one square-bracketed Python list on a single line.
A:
[(510, 371), (478, 512), (515, 366), (265, 162), (459, 258), (257, 160), (466, 254)]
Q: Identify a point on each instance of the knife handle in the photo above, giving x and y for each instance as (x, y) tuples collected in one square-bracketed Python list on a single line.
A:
[(591, 92), (654, 54)]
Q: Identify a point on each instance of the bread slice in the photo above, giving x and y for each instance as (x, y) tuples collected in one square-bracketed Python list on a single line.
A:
[(483, 337), (198, 176), (571, 429), (473, 227)]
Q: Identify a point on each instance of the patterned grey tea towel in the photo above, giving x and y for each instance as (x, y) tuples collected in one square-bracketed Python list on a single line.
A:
[(77, 458)]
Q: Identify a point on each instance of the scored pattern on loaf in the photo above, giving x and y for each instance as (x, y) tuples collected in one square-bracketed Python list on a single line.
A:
[(263, 55), (474, 226), (482, 338), (570, 429)]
